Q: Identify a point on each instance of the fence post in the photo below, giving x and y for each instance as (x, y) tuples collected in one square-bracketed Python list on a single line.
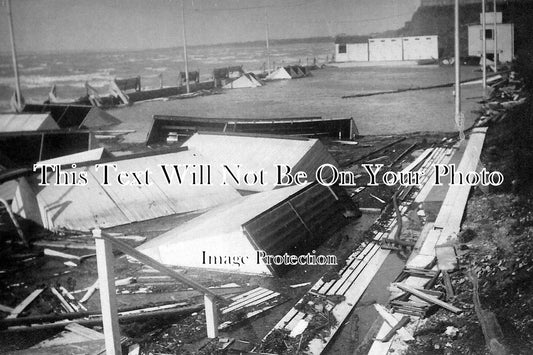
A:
[(211, 316), (108, 297)]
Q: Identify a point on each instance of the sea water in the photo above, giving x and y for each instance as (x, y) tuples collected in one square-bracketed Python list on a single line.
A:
[(69, 71)]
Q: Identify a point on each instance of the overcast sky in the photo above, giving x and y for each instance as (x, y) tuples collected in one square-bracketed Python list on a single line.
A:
[(59, 25)]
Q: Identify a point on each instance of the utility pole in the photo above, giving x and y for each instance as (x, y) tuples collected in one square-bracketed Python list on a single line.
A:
[(14, 54), (457, 64), (185, 45), (484, 46), (495, 40), (267, 38)]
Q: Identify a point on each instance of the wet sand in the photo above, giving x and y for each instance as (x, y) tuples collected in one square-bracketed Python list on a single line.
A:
[(321, 95)]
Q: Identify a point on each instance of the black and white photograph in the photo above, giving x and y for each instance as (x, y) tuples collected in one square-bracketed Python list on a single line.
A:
[(266, 177)]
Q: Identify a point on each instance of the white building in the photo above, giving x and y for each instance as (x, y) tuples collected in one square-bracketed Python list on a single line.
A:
[(387, 49), (504, 38)]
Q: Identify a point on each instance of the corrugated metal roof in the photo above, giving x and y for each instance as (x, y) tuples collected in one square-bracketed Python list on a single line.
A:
[(290, 220), (256, 153), (87, 206), (26, 122)]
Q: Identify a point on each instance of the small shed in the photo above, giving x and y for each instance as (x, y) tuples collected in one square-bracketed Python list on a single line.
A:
[(504, 38), (420, 47), (351, 49), (385, 49)]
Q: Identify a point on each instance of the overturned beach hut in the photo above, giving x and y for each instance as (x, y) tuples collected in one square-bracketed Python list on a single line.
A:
[(171, 129), (137, 189), (247, 80), (27, 122), (256, 163), (292, 220), (74, 116)]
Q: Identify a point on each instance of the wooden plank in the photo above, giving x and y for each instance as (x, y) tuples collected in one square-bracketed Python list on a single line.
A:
[(264, 299), (84, 331), (341, 310), (243, 302), (108, 300), (62, 300), (355, 275), (211, 316), (25, 303), (455, 202), (6, 309), (78, 348), (393, 321), (394, 329), (247, 293), (446, 257), (430, 182), (287, 318), (448, 285), (379, 347), (418, 160), (295, 320), (429, 298)]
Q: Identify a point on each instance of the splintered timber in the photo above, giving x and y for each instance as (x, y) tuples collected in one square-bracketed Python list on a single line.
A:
[(204, 174)]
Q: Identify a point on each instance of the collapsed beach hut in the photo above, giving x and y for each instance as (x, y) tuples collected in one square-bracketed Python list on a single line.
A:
[(292, 220), (145, 195), (221, 76), (171, 129), (247, 80), (27, 122), (74, 116), (288, 72), (250, 161), (22, 149), (279, 74)]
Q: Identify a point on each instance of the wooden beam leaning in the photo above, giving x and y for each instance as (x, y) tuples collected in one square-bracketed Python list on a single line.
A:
[(209, 296), (428, 298), (126, 249), (22, 305)]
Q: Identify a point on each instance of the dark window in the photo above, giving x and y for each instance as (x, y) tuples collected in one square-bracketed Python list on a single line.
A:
[(488, 34), (342, 48)]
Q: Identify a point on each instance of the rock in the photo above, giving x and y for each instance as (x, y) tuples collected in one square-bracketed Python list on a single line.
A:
[(451, 331)]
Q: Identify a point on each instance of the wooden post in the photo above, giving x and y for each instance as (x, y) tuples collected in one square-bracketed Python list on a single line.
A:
[(211, 316), (457, 62), (185, 46), (14, 56), (108, 301), (495, 38), (267, 41)]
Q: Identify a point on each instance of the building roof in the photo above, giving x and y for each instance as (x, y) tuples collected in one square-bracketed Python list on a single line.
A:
[(255, 153), (82, 207), (79, 116), (345, 39)]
